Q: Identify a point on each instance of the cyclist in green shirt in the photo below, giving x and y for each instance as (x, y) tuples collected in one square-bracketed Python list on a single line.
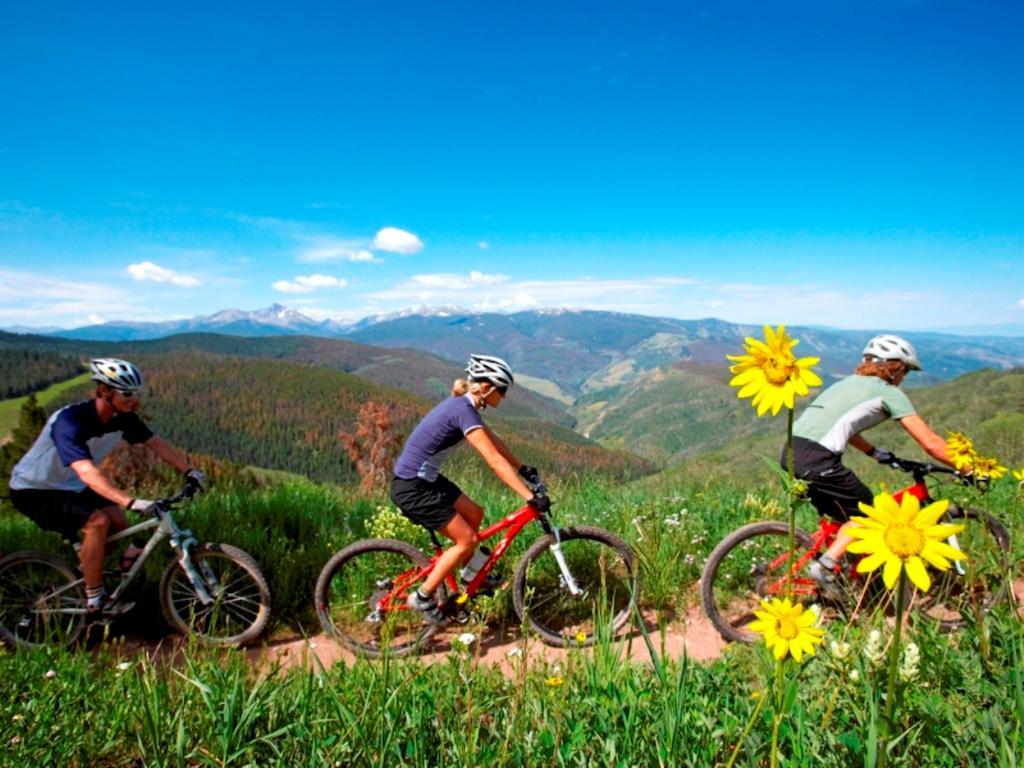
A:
[(835, 419)]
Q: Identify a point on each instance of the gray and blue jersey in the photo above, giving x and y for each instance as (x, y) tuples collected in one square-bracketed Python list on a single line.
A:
[(74, 432)]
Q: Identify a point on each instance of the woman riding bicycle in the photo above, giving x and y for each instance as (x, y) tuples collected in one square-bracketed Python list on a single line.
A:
[(428, 498), (835, 419)]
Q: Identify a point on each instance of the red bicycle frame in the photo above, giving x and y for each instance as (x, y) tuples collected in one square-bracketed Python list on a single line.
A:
[(512, 524), (821, 539)]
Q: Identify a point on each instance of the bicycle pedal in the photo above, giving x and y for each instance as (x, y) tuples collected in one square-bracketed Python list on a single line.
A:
[(117, 609)]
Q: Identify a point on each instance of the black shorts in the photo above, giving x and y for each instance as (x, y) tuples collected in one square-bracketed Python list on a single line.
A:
[(832, 488), (62, 511), (430, 504)]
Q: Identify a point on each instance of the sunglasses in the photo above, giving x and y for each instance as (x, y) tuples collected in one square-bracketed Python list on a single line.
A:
[(130, 395)]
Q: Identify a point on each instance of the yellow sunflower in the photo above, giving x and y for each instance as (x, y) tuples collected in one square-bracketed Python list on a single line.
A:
[(787, 628), (902, 535), (1018, 475), (960, 450), (990, 468), (770, 374)]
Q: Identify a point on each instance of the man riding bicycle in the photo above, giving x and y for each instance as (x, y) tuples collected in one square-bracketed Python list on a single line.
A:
[(59, 485), (835, 419), (428, 498)]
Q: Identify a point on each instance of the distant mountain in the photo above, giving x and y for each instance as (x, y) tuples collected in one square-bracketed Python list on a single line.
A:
[(274, 320)]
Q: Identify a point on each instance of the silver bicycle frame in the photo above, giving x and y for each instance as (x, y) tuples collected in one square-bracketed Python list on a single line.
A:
[(182, 542)]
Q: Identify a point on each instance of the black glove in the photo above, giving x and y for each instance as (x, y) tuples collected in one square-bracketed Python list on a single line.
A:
[(540, 502), (882, 456), (529, 474)]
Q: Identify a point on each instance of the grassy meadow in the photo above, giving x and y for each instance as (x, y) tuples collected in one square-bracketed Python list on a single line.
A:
[(106, 707)]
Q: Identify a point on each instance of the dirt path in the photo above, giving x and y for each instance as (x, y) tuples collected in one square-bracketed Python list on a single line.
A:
[(693, 635)]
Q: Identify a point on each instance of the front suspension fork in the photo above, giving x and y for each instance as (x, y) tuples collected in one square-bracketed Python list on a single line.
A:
[(556, 550)]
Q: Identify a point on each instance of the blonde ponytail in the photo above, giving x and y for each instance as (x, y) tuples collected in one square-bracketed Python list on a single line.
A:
[(460, 387)]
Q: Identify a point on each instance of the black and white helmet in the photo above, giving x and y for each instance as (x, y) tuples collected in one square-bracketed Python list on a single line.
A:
[(492, 369), (119, 374), (888, 347)]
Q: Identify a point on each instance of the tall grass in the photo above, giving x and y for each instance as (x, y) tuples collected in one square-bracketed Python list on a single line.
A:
[(207, 709)]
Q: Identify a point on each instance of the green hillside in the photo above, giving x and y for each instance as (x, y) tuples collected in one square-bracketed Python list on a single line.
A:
[(288, 416), (409, 370)]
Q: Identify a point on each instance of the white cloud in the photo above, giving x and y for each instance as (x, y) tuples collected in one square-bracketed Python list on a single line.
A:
[(396, 240), (454, 282), (147, 270), (309, 283), (483, 245), (1020, 304), (325, 250)]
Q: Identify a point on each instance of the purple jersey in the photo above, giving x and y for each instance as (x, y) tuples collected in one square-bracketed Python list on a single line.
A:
[(440, 431)]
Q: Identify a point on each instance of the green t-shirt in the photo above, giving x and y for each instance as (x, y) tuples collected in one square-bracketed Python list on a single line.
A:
[(849, 407)]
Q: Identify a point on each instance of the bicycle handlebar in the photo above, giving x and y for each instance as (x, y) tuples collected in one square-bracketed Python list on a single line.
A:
[(921, 469), (188, 490)]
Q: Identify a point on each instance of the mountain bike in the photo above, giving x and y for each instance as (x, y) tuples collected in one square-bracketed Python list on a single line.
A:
[(570, 586), (215, 592), (751, 564)]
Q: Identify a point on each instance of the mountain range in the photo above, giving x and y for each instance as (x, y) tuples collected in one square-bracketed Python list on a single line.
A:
[(656, 387)]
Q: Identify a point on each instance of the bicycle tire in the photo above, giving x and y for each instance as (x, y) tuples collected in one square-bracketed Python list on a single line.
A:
[(987, 567), (744, 569), (35, 590), (361, 593), (241, 607), (602, 564)]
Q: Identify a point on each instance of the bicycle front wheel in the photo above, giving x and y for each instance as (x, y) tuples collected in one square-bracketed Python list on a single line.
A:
[(361, 597), (602, 566), (748, 565), (971, 587), (240, 608), (42, 601)]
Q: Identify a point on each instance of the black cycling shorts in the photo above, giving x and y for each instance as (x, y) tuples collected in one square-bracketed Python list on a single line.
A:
[(62, 511), (430, 504), (833, 489)]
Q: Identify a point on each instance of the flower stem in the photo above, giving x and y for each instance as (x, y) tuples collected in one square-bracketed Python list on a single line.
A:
[(792, 503), (894, 656), (777, 718), (746, 731)]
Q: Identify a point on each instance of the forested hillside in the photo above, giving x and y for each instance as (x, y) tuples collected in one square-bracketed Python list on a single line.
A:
[(25, 370), (290, 416), (409, 370)]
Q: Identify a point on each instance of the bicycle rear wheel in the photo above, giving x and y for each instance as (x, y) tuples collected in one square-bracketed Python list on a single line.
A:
[(955, 597), (601, 564), (748, 565), (361, 595), (42, 601), (241, 598)]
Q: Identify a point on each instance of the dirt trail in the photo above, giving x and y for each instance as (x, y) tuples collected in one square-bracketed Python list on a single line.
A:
[(692, 635)]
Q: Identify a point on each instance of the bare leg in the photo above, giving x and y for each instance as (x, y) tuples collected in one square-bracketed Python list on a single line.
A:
[(97, 528), (842, 541), (459, 530)]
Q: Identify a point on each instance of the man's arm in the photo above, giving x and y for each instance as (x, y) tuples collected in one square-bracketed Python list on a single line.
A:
[(95, 480), (168, 453)]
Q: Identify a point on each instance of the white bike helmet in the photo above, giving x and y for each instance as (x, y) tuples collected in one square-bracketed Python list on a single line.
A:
[(888, 347), (119, 374), (492, 369)]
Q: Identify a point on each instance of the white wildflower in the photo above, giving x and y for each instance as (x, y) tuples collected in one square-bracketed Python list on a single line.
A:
[(466, 639), (874, 649), (124, 665), (514, 653), (854, 675), (50, 674), (910, 668), (840, 650)]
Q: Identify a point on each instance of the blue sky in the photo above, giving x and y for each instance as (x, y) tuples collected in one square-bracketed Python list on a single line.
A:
[(856, 164)]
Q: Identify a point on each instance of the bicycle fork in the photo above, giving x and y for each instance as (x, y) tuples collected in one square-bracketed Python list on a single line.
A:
[(182, 542), (556, 550)]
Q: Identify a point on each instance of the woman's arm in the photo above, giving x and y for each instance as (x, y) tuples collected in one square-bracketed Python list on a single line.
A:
[(502, 463), (930, 442)]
